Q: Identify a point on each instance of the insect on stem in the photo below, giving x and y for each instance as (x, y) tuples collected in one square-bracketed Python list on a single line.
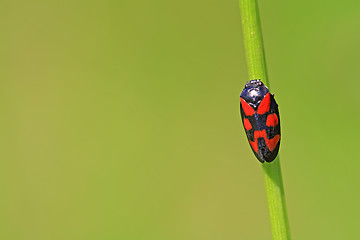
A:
[(262, 143)]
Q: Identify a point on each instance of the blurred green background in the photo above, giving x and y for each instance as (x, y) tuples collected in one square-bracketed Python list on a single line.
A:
[(120, 120)]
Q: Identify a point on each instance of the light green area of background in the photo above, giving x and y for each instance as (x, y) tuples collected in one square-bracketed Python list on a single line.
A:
[(120, 120)]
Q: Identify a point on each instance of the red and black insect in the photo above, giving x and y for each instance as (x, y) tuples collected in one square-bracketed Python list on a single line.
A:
[(260, 116)]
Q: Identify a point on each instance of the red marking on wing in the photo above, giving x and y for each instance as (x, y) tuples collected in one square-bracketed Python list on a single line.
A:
[(272, 120), (264, 105), (247, 124), (248, 110), (254, 145), (270, 143)]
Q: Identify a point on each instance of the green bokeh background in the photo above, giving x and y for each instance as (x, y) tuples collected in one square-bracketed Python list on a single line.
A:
[(120, 120)]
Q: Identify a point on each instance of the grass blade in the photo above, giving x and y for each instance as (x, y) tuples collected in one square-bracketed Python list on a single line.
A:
[(255, 56)]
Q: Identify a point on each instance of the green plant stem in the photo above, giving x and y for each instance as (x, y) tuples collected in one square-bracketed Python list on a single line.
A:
[(257, 70)]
